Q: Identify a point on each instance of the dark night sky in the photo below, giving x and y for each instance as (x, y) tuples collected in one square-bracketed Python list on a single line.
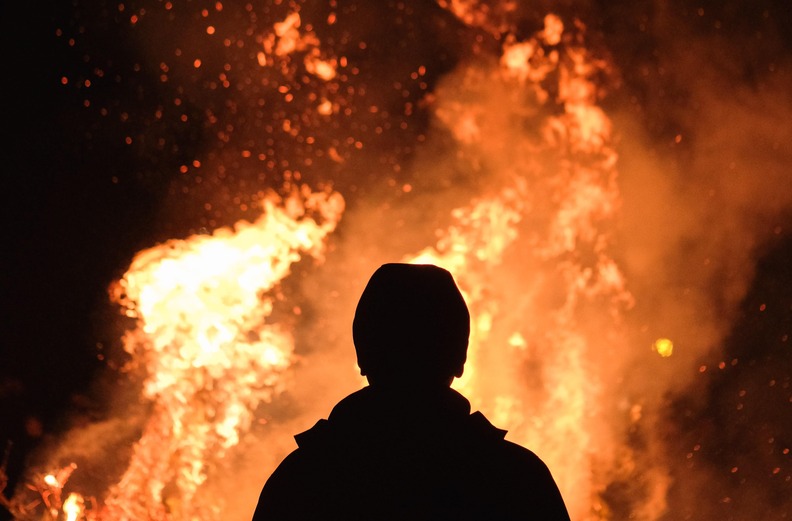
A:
[(68, 229), (77, 205)]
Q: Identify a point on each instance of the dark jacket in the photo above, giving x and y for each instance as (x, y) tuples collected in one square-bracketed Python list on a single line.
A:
[(383, 456)]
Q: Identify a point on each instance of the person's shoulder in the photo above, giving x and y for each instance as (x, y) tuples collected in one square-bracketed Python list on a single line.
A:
[(522, 455), (290, 467), (316, 435), (507, 453), (309, 443)]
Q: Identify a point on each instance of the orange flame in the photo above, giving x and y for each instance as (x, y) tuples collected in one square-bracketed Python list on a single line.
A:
[(210, 357), (560, 416)]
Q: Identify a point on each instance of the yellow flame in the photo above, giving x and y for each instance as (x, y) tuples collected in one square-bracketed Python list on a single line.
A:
[(210, 358), (73, 507)]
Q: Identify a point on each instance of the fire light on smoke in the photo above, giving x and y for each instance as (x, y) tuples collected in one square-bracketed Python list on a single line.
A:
[(476, 249)]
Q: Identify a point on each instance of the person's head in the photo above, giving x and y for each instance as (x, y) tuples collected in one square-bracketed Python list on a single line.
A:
[(411, 326)]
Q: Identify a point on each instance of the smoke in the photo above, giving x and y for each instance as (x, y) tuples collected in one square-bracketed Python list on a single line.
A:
[(703, 171), (695, 221)]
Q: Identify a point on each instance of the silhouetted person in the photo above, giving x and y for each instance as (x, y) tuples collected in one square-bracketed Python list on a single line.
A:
[(407, 447)]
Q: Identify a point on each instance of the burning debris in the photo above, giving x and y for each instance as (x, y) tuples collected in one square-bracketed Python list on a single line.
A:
[(46, 500)]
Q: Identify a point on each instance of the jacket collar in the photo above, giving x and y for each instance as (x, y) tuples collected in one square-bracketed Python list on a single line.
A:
[(385, 413)]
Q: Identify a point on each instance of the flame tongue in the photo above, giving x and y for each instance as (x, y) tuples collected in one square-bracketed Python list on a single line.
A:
[(209, 355)]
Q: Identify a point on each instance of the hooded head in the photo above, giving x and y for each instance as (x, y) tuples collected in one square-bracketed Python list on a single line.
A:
[(411, 325)]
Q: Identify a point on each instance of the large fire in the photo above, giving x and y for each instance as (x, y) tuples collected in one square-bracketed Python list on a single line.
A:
[(532, 251), (210, 356)]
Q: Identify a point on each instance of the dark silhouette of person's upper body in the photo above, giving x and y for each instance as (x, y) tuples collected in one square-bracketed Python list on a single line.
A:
[(407, 446)]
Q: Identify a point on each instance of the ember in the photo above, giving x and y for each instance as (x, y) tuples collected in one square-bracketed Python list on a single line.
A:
[(663, 346)]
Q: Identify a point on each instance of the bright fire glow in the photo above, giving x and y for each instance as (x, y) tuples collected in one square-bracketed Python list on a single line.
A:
[(210, 356), (559, 407), (530, 245), (73, 507)]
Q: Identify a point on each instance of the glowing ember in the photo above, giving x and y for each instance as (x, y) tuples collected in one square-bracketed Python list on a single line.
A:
[(664, 347), (286, 39)]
